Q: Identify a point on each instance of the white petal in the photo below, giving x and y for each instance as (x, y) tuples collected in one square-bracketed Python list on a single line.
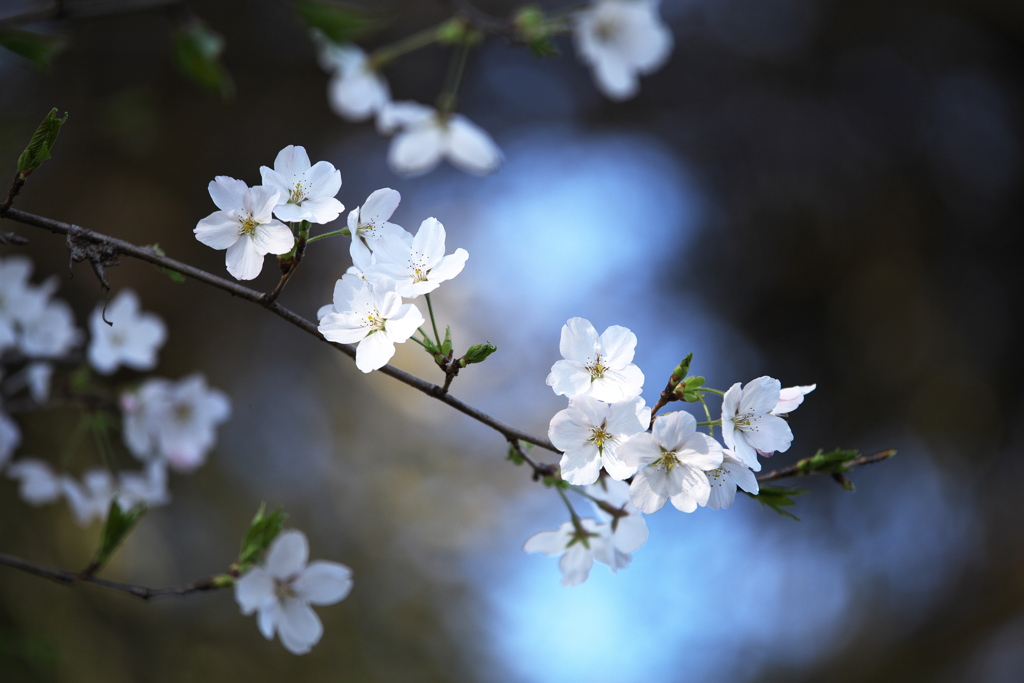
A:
[(299, 628), (227, 193), (288, 554), (416, 151), (471, 148), (218, 230), (579, 340), (254, 589), (374, 352), (323, 583), (273, 238), (244, 260)]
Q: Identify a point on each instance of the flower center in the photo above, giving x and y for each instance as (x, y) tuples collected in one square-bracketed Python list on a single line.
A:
[(668, 459), (743, 421), (297, 194), (183, 412), (283, 589), (374, 321), (596, 369), (247, 226), (599, 437)]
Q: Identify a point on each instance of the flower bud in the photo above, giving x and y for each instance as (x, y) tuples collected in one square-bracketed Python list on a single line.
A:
[(477, 353)]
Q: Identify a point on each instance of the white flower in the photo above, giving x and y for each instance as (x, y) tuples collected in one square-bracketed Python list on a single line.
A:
[(283, 589), (426, 137), (91, 498), (173, 421), (39, 484), (790, 399), (590, 432), (356, 91), (620, 40), (51, 333), (418, 267), (676, 456), (131, 339), (726, 478), (748, 425), (38, 376), (576, 550), (244, 226), (621, 538), (370, 313), (599, 367), (307, 193), (10, 438)]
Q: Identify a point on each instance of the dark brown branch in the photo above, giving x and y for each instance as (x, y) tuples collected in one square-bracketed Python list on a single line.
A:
[(150, 256), (795, 470), (72, 579)]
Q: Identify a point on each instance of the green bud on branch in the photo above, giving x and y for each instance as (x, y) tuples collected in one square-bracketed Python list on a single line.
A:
[(477, 353), (39, 147)]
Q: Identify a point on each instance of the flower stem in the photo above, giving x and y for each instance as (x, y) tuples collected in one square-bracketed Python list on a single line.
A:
[(712, 391), (343, 231), (382, 56), (708, 413), (708, 424), (449, 97), (430, 307)]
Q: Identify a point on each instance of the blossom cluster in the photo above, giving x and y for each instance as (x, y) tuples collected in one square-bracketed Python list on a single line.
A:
[(164, 424), (608, 431), (620, 40), (389, 264)]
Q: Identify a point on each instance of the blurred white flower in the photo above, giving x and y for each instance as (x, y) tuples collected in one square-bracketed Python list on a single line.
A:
[(599, 367), (131, 339), (621, 538), (173, 421), (673, 457), (10, 438), (356, 91), (50, 333), (576, 550), (421, 266), (282, 590), (38, 376), (307, 192), (91, 498), (424, 137), (370, 313), (39, 484), (748, 425), (590, 433), (245, 226), (620, 40)]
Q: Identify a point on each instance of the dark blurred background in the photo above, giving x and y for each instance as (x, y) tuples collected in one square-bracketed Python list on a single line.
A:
[(819, 191)]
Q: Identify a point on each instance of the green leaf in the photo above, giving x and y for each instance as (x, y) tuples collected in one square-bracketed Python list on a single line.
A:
[(833, 462), (37, 47), (340, 22), (117, 527), (262, 531), (39, 147), (197, 50), (446, 345), (173, 274), (513, 452), (778, 498)]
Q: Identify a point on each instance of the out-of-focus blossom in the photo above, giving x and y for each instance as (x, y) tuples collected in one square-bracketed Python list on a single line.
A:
[(51, 333), (425, 137), (356, 90), (38, 483), (10, 438), (131, 339), (576, 550)]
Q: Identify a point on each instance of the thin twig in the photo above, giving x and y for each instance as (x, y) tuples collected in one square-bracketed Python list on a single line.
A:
[(253, 296), (794, 470), (67, 578)]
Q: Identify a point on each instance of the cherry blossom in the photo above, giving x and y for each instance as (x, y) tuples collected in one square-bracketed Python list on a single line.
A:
[(245, 226), (590, 432), (91, 498), (790, 399), (748, 425), (307, 192), (621, 538), (425, 137), (131, 339), (676, 456), (621, 40), (599, 367), (723, 480), (576, 549), (50, 333), (421, 266), (38, 376), (283, 588), (356, 90), (369, 312), (10, 438), (39, 484), (173, 421)]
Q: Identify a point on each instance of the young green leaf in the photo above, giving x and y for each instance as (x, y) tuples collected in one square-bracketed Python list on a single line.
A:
[(173, 274), (39, 147), (778, 498), (197, 50), (37, 47), (117, 527), (262, 531)]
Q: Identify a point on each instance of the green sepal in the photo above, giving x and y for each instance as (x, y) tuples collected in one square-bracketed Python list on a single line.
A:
[(687, 390), (513, 454), (223, 581), (37, 47), (778, 498), (477, 353), (173, 274), (117, 527), (261, 533), (197, 50), (681, 371), (556, 481), (340, 22), (446, 345), (39, 147), (457, 30)]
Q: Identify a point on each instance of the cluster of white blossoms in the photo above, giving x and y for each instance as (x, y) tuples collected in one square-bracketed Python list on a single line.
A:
[(389, 263), (249, 225), (608, 426), (620, 40), (164, 423)]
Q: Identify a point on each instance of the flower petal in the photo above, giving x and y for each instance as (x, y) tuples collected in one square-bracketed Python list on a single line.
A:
[(323, 583), (288, 554)]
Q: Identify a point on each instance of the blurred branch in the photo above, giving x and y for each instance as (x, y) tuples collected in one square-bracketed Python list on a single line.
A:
[(72, 579), (78, 236), (797, 469), (483, 21)]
